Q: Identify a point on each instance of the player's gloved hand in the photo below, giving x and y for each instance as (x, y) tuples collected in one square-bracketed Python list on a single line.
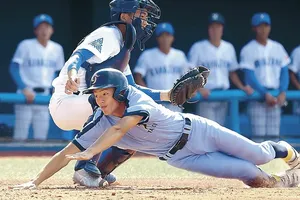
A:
[(270, 100), (204, 92), (281, 99), (29, 186), (248, 90), (84, 155), (29, 95), (186, 86)]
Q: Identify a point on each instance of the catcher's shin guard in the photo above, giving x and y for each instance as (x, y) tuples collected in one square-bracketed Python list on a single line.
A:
[(112, 158)]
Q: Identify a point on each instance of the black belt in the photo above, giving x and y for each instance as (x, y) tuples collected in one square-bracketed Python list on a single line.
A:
[(181, 142), (39, 90)]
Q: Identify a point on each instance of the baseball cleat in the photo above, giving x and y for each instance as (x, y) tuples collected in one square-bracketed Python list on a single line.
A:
[(293, 158), (290, 178), (83, 178)]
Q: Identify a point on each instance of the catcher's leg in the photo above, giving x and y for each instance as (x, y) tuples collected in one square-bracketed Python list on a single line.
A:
[(112, 158), (109, 160), (70, 112)]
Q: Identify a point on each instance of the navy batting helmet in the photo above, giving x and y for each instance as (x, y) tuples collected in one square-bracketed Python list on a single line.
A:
[(131, 6), (109, 78)]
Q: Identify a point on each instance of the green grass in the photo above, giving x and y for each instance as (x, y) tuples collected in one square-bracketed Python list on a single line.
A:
[(20, 168)]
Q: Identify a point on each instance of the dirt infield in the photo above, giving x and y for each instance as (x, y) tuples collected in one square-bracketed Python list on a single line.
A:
[(140, 178)]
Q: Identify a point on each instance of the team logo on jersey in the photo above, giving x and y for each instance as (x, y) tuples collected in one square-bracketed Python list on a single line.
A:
[(148, 127), (97, 44)]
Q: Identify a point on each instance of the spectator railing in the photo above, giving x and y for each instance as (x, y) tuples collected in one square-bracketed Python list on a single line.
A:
[(232, 96)]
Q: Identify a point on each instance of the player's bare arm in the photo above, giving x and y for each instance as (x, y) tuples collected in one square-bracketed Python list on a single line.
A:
[(139, 79), (108, 139), (57, 162), (294, 80)]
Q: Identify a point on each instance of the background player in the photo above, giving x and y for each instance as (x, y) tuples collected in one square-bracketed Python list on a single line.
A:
[(186, 141), (161, 63), (295, 75), (265, 62), (220, 57), (33, 68)]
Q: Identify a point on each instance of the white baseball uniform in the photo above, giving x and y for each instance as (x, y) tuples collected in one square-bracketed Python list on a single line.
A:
[(220, 60), (37, 65), (71, 111), (161, 70), (209, 148), (295, 67), (266, 62)]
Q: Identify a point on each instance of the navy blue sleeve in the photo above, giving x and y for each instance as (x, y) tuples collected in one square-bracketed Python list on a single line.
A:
[(83, 55), (251, 79), (14, 70), (284, 79), (154, 94)]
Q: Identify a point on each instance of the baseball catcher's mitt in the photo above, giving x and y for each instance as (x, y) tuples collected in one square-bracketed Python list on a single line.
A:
[(186, 86)]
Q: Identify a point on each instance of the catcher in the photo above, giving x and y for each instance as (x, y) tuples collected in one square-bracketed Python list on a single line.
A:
[(129, 119)]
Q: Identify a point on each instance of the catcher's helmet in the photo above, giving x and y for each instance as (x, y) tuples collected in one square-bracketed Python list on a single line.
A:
[(131, 6), (109, 78)]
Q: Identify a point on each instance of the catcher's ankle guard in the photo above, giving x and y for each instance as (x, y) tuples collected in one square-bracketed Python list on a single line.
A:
[(89, 166)]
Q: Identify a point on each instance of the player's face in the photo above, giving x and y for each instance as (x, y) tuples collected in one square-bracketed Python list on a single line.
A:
[(263, 31), (215, 31), (44, 31), (105, 100), (165, 40), (142, 14)]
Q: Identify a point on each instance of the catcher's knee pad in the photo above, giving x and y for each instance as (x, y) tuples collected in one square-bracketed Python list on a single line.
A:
[(112, 158), (89, 166)]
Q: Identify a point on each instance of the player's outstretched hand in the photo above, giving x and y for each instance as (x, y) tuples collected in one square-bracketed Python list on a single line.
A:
[(25, 186), (85, 155)]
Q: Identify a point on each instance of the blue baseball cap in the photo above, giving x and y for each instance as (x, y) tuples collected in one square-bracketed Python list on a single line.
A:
[(260, 18), (216, 18), (164, 28), (42, 18)]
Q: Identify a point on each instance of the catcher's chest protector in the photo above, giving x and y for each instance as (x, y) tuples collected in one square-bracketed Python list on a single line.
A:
[(119, 61)]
